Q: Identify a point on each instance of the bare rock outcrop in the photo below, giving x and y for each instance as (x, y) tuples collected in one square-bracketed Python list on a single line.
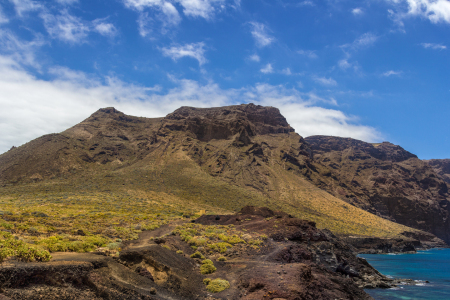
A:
[(383, 179)]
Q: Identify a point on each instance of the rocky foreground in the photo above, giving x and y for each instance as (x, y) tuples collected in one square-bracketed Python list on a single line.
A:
[(295, 261)]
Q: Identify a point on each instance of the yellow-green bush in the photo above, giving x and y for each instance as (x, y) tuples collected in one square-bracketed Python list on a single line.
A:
[(197, 255), (207, 267), (217, 285), (9, 246)]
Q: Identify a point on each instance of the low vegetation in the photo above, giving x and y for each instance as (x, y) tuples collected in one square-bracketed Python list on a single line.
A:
[(217, 285), (36, 221), (216, 239)]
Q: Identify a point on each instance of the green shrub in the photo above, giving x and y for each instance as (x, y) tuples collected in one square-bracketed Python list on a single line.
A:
[(207, 261), (9, 246), (217, 285), (207, 267), (206, 281), (197, 255), (179, 252), (113, 246), (222, 258)]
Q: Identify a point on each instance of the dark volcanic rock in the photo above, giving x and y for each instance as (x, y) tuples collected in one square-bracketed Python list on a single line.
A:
[(223, 122), (383, 179), (441, 167)]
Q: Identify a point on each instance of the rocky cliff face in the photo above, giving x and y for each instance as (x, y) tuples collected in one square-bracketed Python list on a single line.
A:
[(384, 179), (441, 167)]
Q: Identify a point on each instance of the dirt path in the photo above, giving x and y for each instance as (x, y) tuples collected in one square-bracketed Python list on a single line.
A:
[(145, 236)]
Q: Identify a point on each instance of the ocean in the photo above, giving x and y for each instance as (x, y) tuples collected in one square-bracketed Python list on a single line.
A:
[(432, 265)]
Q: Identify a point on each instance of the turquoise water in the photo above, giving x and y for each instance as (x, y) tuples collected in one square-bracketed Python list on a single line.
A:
[(432, 265)]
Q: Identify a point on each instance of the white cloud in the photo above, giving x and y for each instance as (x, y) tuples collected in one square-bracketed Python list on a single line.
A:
[(344, 64), (434, 46), (22, 6), (286, 71), (436, 11), (357, 11), (365, 40), (306, 3), (172, 17), (254, 57), (144, 24), (66, 27), (104, 28), (201, 8), (194, 50), (308, 119), (392, 73), (34, 107), (21, 51), (3, 18), (307, 53), (267, 69), (142, 4), (193, 8), (325, 81), (259, 33), (67, 2)]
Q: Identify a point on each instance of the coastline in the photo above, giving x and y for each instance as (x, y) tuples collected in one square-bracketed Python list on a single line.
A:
[(428, 271)]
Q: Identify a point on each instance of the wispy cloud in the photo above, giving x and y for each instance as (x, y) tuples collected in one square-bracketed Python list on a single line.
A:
[(357, 11), (254, 57), (144, 24), (259, 33), (286, 71), (308, 53), (104, 28), (66, 27), (437, 11), (194, 50), (21, 51), (192, 8), (67, 2), (433, 46), (171, 15), (392, 73), (267, 69), (325, 81), (142, 4), (365, 40), (306, 3), (3, 18), (344, 64), (201, 8), (22, 6)]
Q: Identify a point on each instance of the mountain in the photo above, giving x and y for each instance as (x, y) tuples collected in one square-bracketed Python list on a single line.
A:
[(158, 199), (385, 180), (223, 158), (441, 167)]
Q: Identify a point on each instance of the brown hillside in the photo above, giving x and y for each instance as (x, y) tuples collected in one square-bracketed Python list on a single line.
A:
[(383, 179), (441, 167), (221, 158)]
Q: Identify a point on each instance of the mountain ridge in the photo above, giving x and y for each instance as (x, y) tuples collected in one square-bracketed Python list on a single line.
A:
[(247, 152)]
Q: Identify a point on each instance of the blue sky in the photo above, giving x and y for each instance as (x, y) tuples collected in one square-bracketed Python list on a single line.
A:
[(373, 70)]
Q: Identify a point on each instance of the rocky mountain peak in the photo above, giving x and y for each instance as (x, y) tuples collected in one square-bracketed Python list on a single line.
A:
[(223, 122), (384, 151), (110, 114), (393, 152)]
